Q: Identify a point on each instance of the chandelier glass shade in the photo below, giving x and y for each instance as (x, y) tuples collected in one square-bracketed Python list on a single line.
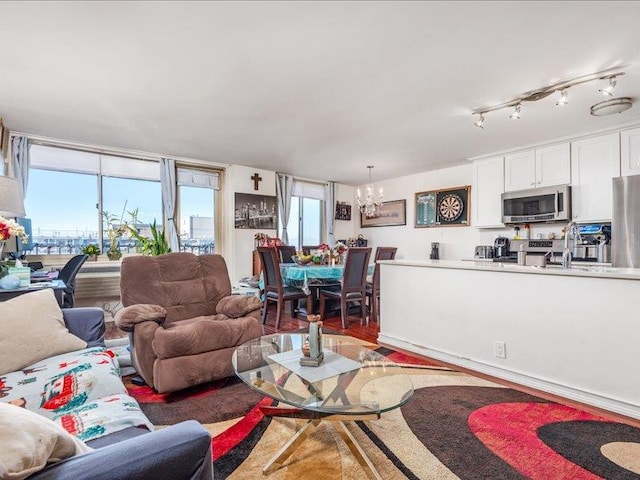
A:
[(367, 204)]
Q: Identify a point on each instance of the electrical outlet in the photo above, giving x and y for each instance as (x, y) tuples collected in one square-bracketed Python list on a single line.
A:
[(500, 349)]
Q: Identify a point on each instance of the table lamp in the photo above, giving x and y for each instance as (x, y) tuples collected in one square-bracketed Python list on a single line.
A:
[(11, 204)]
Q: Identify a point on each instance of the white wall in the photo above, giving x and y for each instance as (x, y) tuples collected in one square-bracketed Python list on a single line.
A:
[(239, 243), (415, 243)]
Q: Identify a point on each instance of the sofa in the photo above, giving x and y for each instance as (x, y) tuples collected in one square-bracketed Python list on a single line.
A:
[(81, 391), (183, 322)]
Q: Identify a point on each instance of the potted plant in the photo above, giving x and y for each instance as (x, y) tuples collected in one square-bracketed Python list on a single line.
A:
[(115, 228), (157, 244), (92, 250)]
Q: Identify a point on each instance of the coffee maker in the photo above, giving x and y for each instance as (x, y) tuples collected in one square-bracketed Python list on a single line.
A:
[(501, 247)]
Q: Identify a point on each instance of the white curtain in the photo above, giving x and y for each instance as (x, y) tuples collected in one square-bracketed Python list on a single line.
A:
[(329, 210), (20, 161), (168, 184), (284, 191)]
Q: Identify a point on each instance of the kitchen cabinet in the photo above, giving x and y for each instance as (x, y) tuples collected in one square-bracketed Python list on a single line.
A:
[(630, 152), (594, 162), (488, 186), (540, 167)]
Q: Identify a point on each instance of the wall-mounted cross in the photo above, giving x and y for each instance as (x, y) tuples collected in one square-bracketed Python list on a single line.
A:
[(256, 179)]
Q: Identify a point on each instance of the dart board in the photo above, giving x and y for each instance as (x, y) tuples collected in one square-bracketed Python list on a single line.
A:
[(440, 208)]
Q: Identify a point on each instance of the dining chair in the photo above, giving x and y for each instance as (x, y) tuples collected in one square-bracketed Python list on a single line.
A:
[(274, 289), (354, 284), (287, 252), (373, 287), (68, 276)]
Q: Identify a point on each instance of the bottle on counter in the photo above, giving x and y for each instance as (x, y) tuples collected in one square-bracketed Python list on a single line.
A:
[(516, 233), (526, 235), (522, 256)]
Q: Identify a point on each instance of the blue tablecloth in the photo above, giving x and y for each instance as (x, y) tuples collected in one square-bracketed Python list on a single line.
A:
[(304, 275)]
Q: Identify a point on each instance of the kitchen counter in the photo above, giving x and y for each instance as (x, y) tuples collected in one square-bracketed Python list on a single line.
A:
[(582, 269), (571, 333)]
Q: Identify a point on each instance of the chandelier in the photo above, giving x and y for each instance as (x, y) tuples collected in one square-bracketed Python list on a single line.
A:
[(368, 205)]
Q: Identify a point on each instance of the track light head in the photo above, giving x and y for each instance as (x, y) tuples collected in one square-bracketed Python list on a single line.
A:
[(562, 101), (480, 122), (608, 90), (516, 112)]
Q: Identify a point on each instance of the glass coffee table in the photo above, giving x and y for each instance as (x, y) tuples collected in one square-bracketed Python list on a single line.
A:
[(353, 383)]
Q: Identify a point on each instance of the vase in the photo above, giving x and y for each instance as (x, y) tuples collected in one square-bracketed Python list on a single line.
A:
[(2, 242), (114, 254), (92, 258)]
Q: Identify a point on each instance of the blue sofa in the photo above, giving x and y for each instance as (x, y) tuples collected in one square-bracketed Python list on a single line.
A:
[(182, 451)]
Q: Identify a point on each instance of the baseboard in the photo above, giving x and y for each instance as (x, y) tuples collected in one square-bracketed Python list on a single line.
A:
[(564, 391)]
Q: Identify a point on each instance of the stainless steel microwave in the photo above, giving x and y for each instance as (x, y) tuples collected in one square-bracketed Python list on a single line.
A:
[(546, 204)]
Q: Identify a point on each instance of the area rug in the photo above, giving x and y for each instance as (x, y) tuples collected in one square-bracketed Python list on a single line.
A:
[(455, 426)]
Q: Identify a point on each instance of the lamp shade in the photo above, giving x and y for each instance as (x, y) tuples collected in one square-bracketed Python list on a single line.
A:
[(11, 204)]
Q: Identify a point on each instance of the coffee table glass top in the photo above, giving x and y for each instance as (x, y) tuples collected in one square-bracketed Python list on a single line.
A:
[(352, 379)]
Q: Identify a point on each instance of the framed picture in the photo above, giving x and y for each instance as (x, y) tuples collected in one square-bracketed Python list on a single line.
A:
[(442, 208), (389, 213), (343, 211), (256, 211)]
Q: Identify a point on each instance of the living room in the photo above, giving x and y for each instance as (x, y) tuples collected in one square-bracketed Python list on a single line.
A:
[(417, 101)]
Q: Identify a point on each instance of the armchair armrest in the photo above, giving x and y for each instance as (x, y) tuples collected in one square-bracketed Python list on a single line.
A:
[(86, 323), (236, 306), (180, 452), (127, 318)]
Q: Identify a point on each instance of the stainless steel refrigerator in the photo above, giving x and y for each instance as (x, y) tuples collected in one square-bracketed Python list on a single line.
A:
[(625, 228)]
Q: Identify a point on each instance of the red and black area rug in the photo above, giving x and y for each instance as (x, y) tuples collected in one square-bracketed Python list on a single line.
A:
[(455, 426)]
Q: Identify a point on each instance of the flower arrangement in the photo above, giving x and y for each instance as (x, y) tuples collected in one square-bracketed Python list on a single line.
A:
[(11, 227)]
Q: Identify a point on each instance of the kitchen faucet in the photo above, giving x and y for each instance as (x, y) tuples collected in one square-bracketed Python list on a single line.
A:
[(571, 229)]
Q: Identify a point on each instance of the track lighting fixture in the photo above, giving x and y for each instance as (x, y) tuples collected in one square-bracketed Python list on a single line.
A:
[(516, 112), (562, 101), (608, 90), (610, 75)]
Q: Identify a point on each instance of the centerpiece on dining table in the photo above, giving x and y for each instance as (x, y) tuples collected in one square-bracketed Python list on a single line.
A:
[(323, 255)]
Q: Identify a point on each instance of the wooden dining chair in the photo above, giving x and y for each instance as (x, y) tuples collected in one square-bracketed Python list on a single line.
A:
[(373, 287), (286, 253), (354, 284), (274, 290)]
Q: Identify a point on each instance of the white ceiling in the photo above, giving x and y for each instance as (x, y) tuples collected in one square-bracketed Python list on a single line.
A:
[(316, 89)]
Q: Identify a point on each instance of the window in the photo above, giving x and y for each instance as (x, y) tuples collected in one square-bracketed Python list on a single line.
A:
[(62, 209), (197, 191), (69, 189), (306, 217), (122, 196)]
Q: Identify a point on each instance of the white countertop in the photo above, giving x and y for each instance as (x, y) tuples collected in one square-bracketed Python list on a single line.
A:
[(576, 271)]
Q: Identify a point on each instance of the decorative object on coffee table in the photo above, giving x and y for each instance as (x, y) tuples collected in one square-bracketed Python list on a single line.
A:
[(314, 343)]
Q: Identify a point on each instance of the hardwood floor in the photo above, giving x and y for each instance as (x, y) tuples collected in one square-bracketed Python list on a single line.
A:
[(368, 333)]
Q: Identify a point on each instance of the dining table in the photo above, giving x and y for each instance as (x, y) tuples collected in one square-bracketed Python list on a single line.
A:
[(311, 278)]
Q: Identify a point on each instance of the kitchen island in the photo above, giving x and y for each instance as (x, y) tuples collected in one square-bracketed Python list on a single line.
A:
[(573, 333)]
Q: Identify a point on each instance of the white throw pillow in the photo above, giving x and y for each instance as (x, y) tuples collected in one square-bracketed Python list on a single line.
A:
[(30, 441), (32, 329)]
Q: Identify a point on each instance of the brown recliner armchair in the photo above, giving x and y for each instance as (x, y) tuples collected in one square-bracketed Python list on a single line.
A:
[(182, 320)]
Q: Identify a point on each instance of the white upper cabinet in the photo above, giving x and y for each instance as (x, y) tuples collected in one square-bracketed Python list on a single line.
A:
[(594, 162), (520, 170), (488, 186), (630, 152), (540, 167), (553, 165)]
